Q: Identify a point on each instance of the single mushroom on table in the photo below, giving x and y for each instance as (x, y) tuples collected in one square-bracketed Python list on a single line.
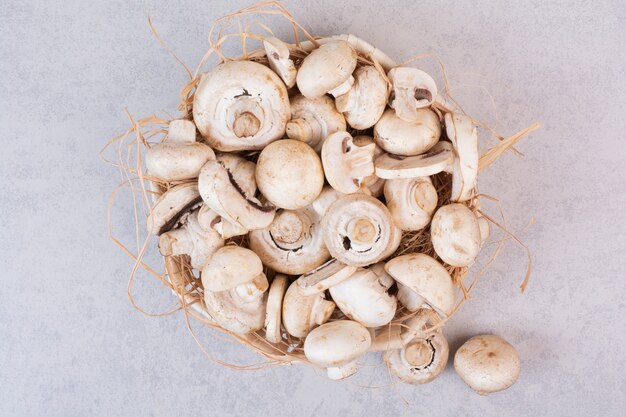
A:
[(464, 137), (359, 231), (289, 174), (302, 311), (401, 137), (455, 234), (487, 363), (436, 160), (171, 207), (274, 308), (313, 120), (411, 202), (374, 184), (278, 56), (179, 156), (336, 346), (327, 69), (413, 89), (365, 102), (241, 105), (347, 165)]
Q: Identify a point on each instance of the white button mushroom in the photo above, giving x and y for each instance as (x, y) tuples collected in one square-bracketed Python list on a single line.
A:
[(464, 137), (412, 90), (327, 69), (347, 165), (274, 308), (401, 137), (327, 197), (241, 105), (365, 102), (325, 276), (421, 279), (390, 166), (359, 231), (487, 363), (278, 56), (485, 229), (336, 346), (313, 120), (302, 312), (179, 157), (289, 174), (171, 207), (210, 220), (374, 184), (232, 266), (455, 234), (411, 202), (293, 244), (364, 298)]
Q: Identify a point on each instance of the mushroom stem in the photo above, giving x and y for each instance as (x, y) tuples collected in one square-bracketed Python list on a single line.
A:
[(390, 337), (342, 88), (341, 372), (321, 311), (175, 242), (246, 124), (304, 130), (252, 290), (289, 229), (411, 300)]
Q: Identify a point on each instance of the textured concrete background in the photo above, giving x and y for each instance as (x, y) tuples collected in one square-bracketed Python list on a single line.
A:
[(70, 343)]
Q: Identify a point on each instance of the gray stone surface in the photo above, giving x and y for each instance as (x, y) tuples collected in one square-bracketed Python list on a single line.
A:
[(71, 344)]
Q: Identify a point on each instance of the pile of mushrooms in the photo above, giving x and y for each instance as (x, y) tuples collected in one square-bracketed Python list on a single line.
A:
[(324, 163)]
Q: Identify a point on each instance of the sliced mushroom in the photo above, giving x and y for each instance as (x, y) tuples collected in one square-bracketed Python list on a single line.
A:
[(327, 69), (347, 165), (313, 120), (464, 137), (391, 166), (487, 363), (293, 244), (241, 105), (412, 90), (455, 234), (303, 312), (278, 57), (359, 231), (324, 276), (274, 308), (364, 297), (421, 279), (336, 346), (172, 207), (411, 202), (210, 220), (289, 174), (400, 137), (374, 184), (191, 239), (231, 199), (365, 102)]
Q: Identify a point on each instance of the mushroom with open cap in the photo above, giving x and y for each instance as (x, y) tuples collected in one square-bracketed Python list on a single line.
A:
[(274, 308), (210, 220), (359, 231), (179, 156), (302, 312), (421, 279), (293, 244), (436, 160), (289, 174), (325, 276), (313, 120), (229, 191), (193, 240), (365, 102), (346, 164), (364, 297), (241, 105), (374, 184), (327, 69), (412, 90), (336, 346), (455, 234), (401, 137), (464, 137), (411, 202), (278, 56), (487, 363), (172, 206)]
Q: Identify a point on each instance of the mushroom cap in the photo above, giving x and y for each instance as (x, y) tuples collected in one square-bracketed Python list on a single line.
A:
[(233, 313), (242, 171), (364, 298), (455, 234), (412, 90), (437, 159), (366, 100), (400, 137), (303, 312), (313, 120), (182, 131), (171, 207), (274, 308), (337, 343), (175, 161), (324, 276), (346, 165), (464, 137), (289, 174), (411, 202), (229, 267), (426, 277), (241, 105), (374, 184), (293, 244), (326, 68), (487, 363), (359, 231), (278, 56)]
